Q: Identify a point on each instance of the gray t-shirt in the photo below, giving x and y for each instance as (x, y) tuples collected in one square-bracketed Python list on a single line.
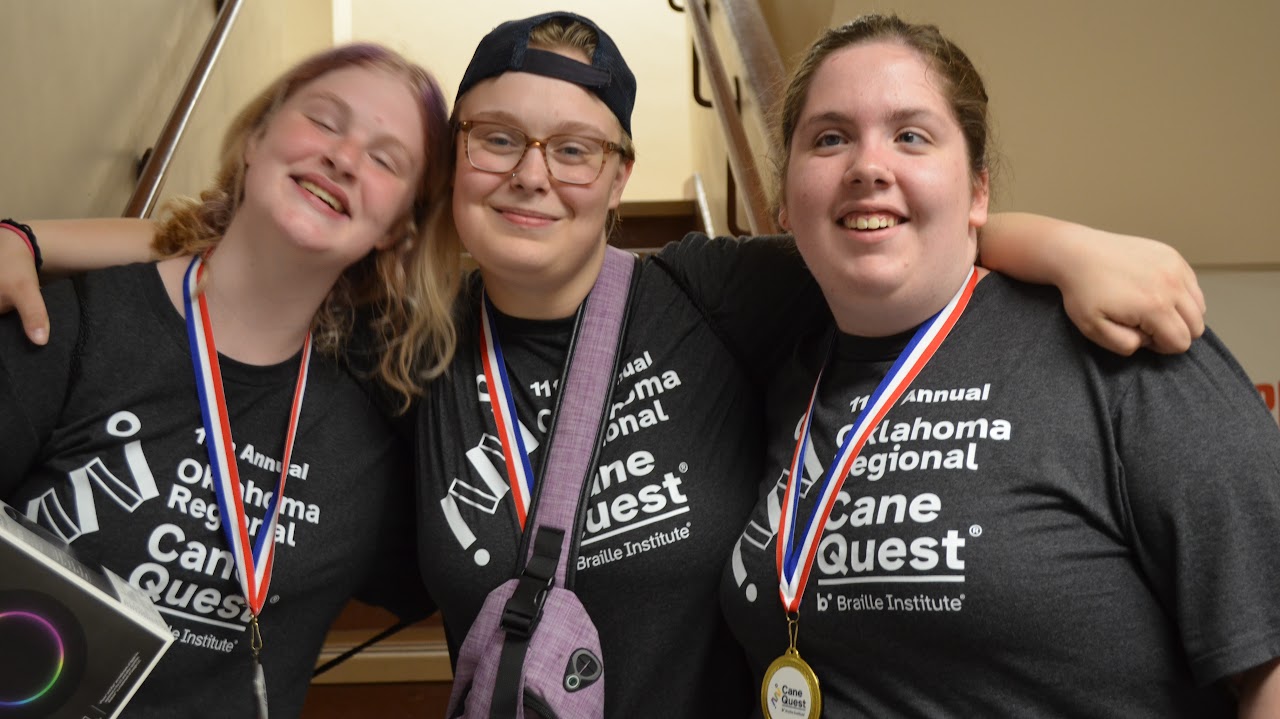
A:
[(1039, 528), (101, 440)]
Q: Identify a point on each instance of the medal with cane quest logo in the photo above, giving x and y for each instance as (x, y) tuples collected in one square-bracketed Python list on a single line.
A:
[(253, 560), (790, 685), (790, 688)]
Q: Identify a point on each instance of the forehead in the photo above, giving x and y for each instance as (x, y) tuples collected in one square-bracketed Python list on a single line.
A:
[(378, 99), (872, 75)]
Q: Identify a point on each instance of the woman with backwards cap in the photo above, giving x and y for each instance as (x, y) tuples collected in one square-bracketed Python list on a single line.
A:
[(543, 152)]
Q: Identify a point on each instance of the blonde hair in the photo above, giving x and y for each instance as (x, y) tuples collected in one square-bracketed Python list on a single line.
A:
[(405, 292)]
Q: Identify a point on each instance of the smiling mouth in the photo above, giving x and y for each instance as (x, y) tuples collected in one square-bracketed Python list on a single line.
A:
[(870, 221), (324, 195), (524, 217)]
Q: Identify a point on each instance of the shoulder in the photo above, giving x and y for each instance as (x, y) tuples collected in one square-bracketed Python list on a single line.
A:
[(698, 252)]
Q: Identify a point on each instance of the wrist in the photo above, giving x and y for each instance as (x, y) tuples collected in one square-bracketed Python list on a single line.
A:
[(28, 237)]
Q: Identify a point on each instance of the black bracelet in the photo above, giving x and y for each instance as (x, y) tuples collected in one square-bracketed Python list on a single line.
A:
[(31, 239)]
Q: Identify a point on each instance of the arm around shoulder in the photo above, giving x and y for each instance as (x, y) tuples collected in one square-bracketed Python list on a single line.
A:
[(71, 246), (67, 247), (1123, 292)]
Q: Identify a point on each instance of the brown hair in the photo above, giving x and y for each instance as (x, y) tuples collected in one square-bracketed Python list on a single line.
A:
[(407, 290), (962, 87)]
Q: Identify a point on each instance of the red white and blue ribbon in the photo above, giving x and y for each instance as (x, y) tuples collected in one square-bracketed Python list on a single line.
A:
[(253, 560), (797, 549), (502, 400)]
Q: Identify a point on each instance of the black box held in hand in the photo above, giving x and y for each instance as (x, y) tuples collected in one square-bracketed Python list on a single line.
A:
[(75, 640)]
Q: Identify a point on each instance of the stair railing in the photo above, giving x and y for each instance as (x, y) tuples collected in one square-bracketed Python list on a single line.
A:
[(155, 162)]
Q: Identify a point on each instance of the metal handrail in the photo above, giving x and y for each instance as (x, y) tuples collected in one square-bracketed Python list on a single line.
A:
[(151, 178), (742, 163)]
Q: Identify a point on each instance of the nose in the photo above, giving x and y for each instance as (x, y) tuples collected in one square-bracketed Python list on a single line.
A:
[(868, 165), (531, 171), (343, 155)]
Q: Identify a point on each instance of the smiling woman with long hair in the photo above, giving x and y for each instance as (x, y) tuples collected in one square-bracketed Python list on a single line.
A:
[(175, 400)]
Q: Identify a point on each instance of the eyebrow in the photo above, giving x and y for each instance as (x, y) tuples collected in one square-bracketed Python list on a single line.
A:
[(383, 137), (328, 96), (897, 116), (568, 127)]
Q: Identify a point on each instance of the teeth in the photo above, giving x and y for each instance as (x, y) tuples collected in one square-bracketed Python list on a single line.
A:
[(874, 222), (318, 191)]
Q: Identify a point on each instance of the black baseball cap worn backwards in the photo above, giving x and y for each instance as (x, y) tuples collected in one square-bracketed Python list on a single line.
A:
[(506, 49)]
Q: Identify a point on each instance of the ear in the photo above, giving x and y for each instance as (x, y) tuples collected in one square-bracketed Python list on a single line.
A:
[(783, 221), (388, 240), (400, 231), (619, 183), (251, 147), (981, 197)]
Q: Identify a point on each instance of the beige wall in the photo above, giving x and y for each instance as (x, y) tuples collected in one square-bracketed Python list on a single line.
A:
[(97, 80), (1154, 117), (652, 37), (795, 24), (1242, 307), (1157, 118), (84, 116), (269, 36)]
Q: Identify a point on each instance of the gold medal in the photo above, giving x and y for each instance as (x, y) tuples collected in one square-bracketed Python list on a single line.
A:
[(790, 688)]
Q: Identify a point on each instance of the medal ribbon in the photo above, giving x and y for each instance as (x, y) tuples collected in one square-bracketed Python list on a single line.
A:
[(795, 558), (502, 400), (253, 561)]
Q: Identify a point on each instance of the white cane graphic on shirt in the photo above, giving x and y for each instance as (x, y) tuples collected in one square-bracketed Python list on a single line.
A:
[(48, 511), (759, 536), (487, 499)]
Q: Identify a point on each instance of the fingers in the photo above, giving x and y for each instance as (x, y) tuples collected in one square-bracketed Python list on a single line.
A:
[(1170, 331), (1192, 306), (1175, 318), (29, 304), (20, 290), (1120, 339), (1164, 324)]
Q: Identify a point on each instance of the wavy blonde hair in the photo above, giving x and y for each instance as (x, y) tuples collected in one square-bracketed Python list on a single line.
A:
[(406, 291)]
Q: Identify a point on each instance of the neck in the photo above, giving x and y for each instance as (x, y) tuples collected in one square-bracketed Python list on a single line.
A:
[(537, 297), (261, 300), (889, 315)]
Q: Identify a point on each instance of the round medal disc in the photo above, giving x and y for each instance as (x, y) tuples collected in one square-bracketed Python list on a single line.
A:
[(790, 689)]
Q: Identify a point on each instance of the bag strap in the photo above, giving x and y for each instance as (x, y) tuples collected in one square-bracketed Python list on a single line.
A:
[(552, 531)]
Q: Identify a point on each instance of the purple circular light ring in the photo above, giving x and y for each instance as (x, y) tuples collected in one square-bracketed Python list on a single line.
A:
[(61, 656)]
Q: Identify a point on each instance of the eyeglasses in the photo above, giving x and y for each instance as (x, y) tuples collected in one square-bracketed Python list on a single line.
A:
[(571, 159)]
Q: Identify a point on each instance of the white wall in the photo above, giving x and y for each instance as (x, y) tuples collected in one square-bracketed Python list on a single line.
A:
[(443, 36)]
